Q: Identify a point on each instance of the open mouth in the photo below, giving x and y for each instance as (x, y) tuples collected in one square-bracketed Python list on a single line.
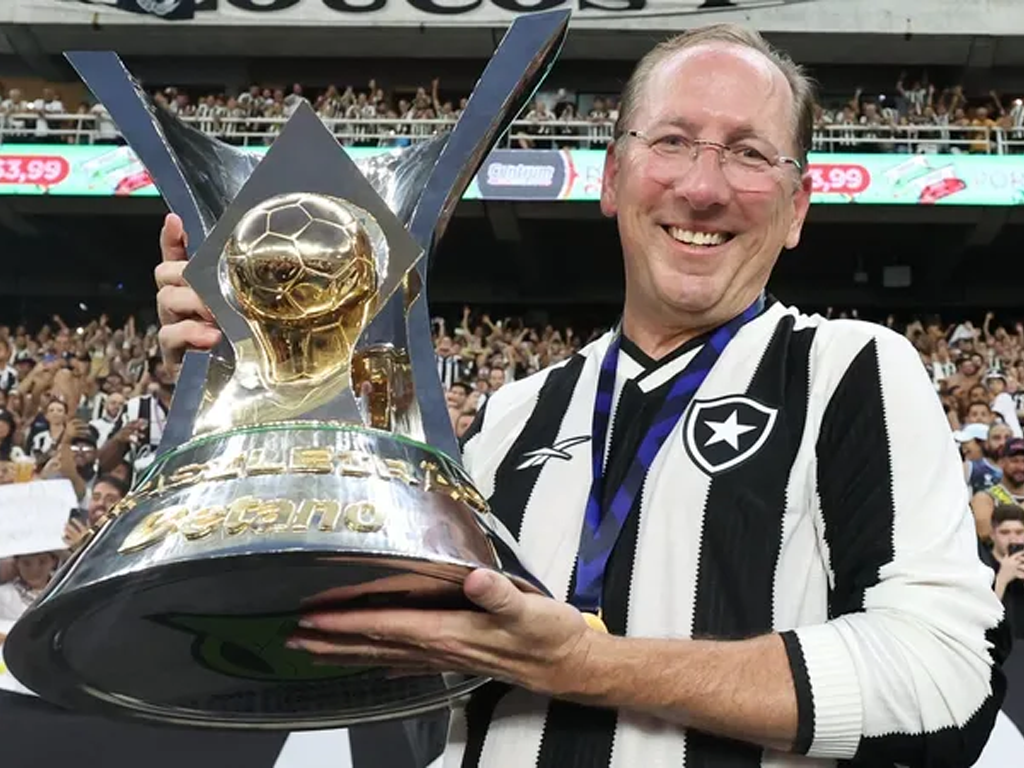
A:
[(699, 239)]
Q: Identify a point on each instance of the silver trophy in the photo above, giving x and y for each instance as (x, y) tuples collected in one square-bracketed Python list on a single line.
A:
[(308, 460)]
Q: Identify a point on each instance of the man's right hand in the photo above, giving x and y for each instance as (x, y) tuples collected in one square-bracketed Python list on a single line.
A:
[(132, 429), (74, 532), (186, 323), (1010, 569)]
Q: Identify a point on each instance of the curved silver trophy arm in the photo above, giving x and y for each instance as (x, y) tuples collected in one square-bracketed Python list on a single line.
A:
[(199, 176)]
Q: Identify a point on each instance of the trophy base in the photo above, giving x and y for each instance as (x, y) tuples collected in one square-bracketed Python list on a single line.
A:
[(178, 610), (203, 644)]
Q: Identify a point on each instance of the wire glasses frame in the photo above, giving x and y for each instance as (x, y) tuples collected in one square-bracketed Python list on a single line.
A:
[(743, 166)]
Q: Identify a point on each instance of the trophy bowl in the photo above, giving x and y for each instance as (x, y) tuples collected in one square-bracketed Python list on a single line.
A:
[(178, 606)]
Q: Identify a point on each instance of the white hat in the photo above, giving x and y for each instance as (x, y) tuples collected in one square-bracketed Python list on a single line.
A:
[(971, 432)]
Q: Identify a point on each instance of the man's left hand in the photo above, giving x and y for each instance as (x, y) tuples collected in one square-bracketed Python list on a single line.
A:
[(528, 640)]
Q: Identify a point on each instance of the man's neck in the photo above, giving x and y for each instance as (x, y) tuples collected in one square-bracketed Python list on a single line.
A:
[(654, 341), (1013, 488), (658, 334), (164, 397)]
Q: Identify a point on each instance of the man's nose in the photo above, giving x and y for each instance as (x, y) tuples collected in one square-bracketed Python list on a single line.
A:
[(703, 184)]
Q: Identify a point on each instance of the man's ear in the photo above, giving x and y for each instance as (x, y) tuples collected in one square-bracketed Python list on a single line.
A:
[(609, 207), (801, 205)]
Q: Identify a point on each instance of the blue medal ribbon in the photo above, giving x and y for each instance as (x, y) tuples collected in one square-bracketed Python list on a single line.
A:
[(601, 527)]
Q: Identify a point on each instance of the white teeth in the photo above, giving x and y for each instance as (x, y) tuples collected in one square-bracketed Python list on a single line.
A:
[(698, 238)]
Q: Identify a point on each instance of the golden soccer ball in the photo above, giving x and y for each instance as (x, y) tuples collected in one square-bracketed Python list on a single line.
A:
[(298, 257)]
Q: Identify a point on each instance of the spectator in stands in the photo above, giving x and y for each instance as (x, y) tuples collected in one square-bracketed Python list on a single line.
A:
[(84, 442), (8, 373), (977, 442), (979, 472), (13, 110), (106, 492), (1009, 490), (465, 421), (137, 432), (540, 131), (457, 395), (33, 572), (9, 449), (979, 412), (1002, 402), (112, 405), (1006, 558), (47, 432)]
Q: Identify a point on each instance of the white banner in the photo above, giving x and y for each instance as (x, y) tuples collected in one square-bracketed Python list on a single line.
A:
[(33, 516), (921, 17), (416, 12)]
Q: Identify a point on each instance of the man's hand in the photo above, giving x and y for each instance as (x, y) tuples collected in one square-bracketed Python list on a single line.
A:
[(186, 323), (532, 641), (74, 532), (1010, 569), (74, 428), (128, 431)]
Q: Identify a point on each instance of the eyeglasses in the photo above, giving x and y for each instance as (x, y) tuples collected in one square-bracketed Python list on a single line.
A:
[(745, 167)]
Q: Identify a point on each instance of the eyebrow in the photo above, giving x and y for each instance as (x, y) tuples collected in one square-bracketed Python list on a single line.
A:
[(739, 133)]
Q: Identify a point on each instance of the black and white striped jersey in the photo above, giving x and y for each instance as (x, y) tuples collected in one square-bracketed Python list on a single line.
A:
[(450, 369), (8, 377), (812, 488)]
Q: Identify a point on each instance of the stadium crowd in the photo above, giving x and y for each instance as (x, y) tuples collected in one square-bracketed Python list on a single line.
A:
[(915, 116), (88, 404)]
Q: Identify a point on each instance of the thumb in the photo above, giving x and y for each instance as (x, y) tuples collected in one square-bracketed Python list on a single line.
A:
[(493, 592)]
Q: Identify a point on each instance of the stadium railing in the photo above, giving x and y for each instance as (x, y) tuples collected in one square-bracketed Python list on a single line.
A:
[(19, 128)]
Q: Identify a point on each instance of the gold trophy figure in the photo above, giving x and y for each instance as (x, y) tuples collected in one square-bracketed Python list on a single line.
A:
[(302, 271)]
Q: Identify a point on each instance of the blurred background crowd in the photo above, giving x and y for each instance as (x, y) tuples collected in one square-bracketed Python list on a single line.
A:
[(88, 404), (914, 115)]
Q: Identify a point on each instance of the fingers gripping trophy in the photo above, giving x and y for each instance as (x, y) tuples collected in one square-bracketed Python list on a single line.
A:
[(308, 460)]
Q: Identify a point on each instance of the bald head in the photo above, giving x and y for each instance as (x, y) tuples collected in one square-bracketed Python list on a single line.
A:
[(716, 45)]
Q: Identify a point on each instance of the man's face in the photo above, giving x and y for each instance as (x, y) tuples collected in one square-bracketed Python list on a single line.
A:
[(35, 570), (997, 437), (971, 450), (104, 497), (996, 386), (1013, 469), (496, 379), (455, 397), (1007, 533), (85, 455), (444, 346), (967, 367), (112, 383), (978, 414), (720, 93), (115, 402)]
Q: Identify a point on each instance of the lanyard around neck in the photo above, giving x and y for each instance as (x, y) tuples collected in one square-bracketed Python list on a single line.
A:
[(603, 524)]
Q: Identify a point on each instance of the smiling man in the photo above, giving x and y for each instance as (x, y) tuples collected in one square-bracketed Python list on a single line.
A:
[(753, 521)]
